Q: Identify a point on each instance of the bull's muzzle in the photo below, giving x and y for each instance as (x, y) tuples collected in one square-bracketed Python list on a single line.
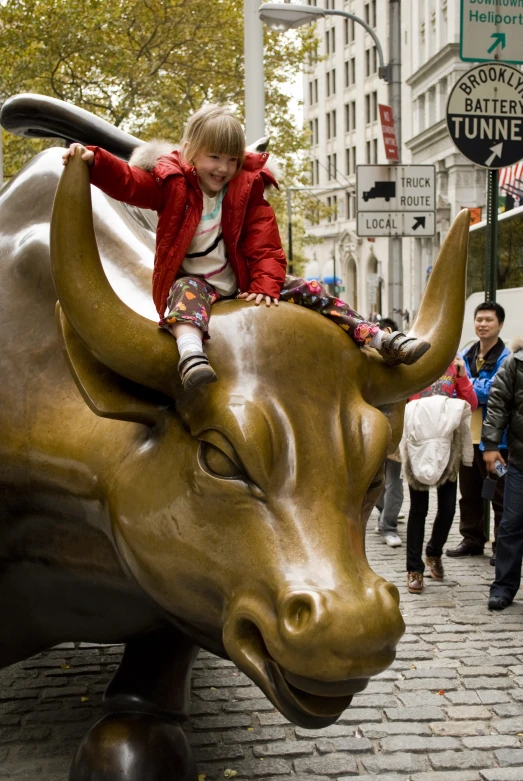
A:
[(317, 647)]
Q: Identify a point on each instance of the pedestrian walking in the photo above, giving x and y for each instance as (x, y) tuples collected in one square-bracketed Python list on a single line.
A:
[(505, 408), (482, 362), (391, 498), (436, 439)]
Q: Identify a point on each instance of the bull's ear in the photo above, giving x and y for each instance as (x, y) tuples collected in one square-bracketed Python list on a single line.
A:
[(105, 392)]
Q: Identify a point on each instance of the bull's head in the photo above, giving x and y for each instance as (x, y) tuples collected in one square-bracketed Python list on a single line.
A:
[(242, 508)]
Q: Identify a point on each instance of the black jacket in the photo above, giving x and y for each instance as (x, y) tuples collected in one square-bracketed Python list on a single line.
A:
[(505, 407)]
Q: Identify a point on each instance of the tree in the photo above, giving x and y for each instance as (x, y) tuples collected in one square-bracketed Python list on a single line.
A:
[(145, 65)]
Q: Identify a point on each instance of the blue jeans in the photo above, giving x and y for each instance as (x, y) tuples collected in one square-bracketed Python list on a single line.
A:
[(509, 546), (391, 498)]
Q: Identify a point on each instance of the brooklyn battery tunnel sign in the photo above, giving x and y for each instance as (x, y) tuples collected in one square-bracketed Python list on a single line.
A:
[(485, 115)]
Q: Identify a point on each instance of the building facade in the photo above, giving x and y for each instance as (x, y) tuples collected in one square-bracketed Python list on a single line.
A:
[(341, 98)]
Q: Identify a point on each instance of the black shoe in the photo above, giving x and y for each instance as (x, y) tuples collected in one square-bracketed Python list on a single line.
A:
[(464, 549), (196, 371), (498, 603), (493, 560)]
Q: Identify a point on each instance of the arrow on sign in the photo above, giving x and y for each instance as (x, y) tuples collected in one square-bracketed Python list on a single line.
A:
[(420, 223), (497, 151), (499, 38)]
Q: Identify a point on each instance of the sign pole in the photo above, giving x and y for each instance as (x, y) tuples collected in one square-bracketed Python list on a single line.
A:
[(491, 237), (395, 243)]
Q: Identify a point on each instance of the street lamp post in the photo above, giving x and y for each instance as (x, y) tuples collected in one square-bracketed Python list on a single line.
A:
[(286, 16), (254, 75)]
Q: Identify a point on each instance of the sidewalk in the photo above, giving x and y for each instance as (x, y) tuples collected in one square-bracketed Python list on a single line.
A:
[(449, 709)]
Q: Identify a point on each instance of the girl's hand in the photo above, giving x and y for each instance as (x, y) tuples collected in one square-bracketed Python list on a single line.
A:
[(87, 155), (259, 298)]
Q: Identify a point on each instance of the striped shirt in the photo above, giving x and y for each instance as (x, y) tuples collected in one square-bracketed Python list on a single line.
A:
[(206, 256)]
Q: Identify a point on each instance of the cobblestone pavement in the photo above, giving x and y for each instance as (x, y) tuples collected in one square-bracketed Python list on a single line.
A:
[(449, 709)]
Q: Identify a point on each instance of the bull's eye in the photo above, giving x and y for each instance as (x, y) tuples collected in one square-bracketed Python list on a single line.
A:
[(217, 463)]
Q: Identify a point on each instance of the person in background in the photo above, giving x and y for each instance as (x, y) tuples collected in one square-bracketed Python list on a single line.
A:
[(505, 407), (482, 362), (436, 439), (391, 498)]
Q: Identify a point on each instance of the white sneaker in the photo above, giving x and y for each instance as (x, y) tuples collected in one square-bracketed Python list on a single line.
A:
[(392, 540)]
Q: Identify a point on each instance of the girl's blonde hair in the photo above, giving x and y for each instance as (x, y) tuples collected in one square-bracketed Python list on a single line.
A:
[(213, 129)]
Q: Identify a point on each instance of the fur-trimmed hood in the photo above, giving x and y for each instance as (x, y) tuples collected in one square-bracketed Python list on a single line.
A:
[(436, 438), (149, 155)]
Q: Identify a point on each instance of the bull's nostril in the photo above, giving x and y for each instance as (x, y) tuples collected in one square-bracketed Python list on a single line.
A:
[(298, 612)]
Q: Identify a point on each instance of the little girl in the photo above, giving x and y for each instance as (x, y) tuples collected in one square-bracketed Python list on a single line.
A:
[(217, 237)]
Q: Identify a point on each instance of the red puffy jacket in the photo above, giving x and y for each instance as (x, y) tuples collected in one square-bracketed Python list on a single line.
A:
[(249, 227)]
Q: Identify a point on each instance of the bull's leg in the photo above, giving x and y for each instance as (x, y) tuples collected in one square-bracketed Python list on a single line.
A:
[(140, 736)]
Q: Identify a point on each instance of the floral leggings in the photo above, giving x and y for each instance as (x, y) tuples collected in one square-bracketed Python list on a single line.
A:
[(190, 300)]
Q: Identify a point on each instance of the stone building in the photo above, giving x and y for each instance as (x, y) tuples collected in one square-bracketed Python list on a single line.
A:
[(341, 98)]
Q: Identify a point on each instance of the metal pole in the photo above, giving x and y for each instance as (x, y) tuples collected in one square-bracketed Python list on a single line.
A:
[(491, 237), (254, 76), (395, 243), (289, 231), (491, 275)]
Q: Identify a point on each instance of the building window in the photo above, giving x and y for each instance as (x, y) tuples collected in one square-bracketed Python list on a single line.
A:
[(368, 153), (346, 71), (369, 13), (328, 120), (350, 161), (348, 31), (316, 134), (330, 83), (350, 116), (348, 206), (333, 39), (367, 110), (313, 92), (374, 106), (371, 61), (333, 123), (375, 150), (353, 70)]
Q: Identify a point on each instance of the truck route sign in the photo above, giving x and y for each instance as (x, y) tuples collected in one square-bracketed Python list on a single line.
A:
[(491, 30), (396, 200), (485, 115)]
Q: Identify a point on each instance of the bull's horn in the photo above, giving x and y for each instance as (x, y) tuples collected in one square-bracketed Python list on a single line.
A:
[(117, 336), (439, 321)]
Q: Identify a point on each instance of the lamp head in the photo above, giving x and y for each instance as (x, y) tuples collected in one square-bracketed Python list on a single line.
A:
[(286, 16)]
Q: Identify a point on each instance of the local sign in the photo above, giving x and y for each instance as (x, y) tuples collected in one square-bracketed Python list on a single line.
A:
[(396, 200), (491, 30), (485, 115)]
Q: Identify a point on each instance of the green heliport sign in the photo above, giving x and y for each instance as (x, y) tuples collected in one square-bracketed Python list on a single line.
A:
[(491, 31)]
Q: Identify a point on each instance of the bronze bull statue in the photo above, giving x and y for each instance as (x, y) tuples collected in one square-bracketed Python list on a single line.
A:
[(232, 519)]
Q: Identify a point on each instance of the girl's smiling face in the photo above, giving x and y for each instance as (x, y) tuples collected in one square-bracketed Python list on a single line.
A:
[(214, 171)]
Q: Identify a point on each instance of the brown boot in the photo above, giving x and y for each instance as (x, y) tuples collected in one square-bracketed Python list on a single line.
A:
[(397, 348), (415, 582), (435, 567)]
